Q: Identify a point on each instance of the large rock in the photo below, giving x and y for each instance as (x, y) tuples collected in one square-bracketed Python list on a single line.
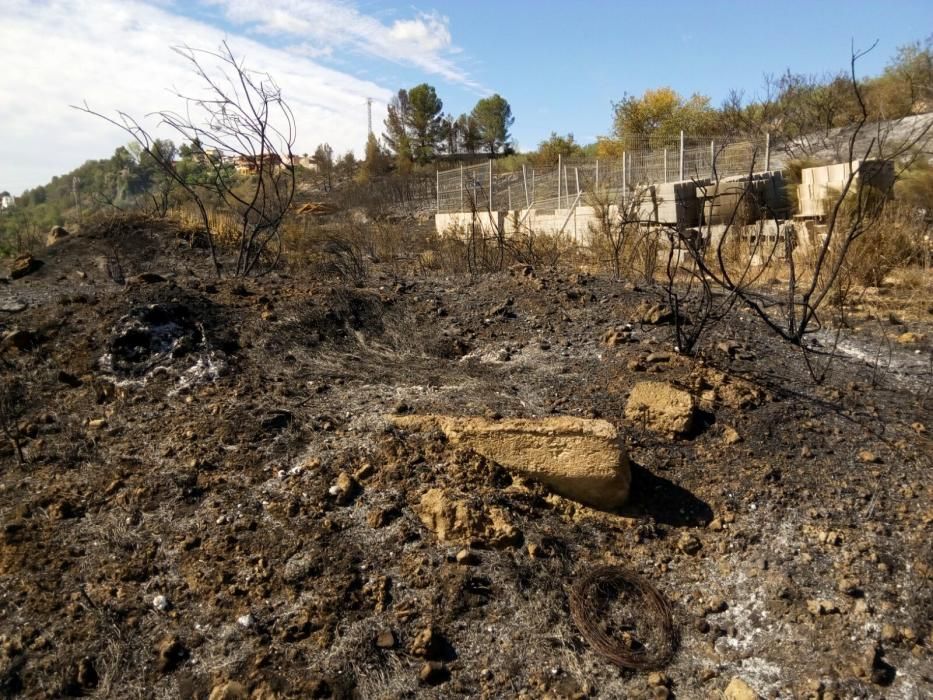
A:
[(56, 234), (24, 265), (576, 457), (661, 407)]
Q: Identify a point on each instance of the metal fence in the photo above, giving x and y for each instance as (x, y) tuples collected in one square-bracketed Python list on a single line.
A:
[(643, 161)]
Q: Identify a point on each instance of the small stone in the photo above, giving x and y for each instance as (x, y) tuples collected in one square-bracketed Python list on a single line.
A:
[(910, 338), (731, 436), (246, 621), (22, 340), (889, 633), (433, 673), (689, 544), (656, 678), (364, 472), (467, 558), (822, 607), (739, 690), (97, 423), (344, 489), (715, 524), (171, 653), (657, 357), (161, 603), (385, 639), (229, 690), (868, 457), (806, 452)]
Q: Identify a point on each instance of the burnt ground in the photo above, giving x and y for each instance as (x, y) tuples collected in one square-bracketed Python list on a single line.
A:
[(173, 531)]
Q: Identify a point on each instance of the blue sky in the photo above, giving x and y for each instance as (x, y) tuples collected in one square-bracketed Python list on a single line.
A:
[(560, 65)]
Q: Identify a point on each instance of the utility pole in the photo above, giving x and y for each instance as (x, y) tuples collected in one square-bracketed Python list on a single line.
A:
[(369, 114)]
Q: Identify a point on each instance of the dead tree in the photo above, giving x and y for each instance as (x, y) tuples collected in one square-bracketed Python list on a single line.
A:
[(242, 121)]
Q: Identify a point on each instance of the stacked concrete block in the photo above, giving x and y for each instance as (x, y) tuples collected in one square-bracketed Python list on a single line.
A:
[(671, 204), (820, 186)]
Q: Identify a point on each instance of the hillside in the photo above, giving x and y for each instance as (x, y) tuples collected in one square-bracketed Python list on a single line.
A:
[(214, 502)]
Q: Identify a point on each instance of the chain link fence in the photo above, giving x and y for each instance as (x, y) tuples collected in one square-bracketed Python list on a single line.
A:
[(644, 161)]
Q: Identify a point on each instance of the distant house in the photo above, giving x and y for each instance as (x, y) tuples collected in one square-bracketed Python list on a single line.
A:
[(6, 200), (250, 164)]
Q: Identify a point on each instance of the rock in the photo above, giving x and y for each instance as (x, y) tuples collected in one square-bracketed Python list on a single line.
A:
[(818, 607), (868, 457), (24, 265), (428, 644), (578, 458), (344, 489), (729, 347), (910, 338), (739, 690), (656, 678), (22, 340), (229, 690), (731, 436), (661, 407), (299, 568), (55, 235), (385, 639), (246, 621), (617, 336), (456, 520), (11, 305), (161, 603), (433, 673), (467, 558), (870, 666), (689, 544), (171, 653), (653, 314), (656, 357)]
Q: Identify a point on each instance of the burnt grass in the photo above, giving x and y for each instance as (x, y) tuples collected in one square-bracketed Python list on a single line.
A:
[(173, 531)]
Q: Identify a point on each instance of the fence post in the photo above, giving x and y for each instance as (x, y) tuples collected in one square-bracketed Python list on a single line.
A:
[(558, 179), (665, 165), (438, 189), (461, 187), (624, 179), (768, 151), (597, 173), (681, 155), (576, 173), (489, 198), (712, 158), (525, 182)]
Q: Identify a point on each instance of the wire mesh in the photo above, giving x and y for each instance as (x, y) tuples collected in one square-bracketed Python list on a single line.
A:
[(645, 161)]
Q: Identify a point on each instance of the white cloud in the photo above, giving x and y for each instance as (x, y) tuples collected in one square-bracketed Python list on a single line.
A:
[(116, 55), (424, 42)]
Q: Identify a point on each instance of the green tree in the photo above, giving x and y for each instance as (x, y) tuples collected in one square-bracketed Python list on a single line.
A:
[(468, 131), (376, 163), (323, 160), (493, 116), (661, 115), (554, 146), (424, 122), (396, 134)]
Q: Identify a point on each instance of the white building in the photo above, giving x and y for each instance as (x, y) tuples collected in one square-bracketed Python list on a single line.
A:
[(6, 200)]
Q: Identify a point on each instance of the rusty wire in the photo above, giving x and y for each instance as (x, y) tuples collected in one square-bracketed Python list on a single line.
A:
[(624, 618)]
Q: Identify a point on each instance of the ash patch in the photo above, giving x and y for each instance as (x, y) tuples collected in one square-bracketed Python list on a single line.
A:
[(152, 336)]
